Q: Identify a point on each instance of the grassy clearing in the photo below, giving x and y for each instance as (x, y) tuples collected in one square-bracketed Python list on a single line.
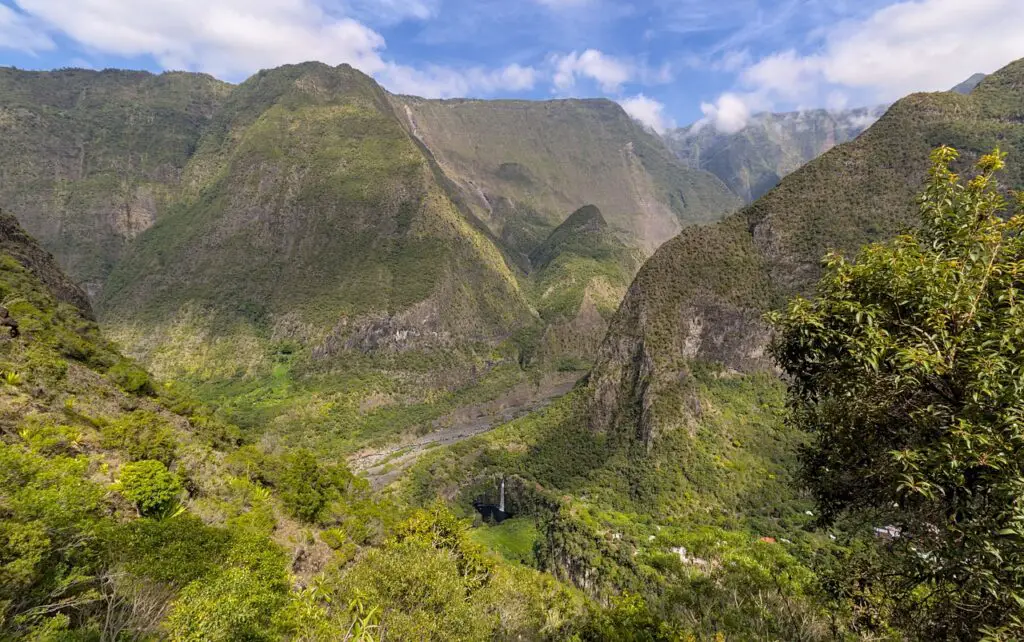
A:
[(513, 538)]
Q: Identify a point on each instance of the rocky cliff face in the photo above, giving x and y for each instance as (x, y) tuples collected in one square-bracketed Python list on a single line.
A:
[(522, 165), (702, 295), (771, 146), (90, 159)]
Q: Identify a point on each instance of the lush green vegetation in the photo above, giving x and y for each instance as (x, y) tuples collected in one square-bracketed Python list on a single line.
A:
[(131, 511), (906, 369), (317, 289), (513, 539)]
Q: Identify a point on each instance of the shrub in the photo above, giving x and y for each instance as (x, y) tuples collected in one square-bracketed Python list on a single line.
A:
[(131, 378), (141, 435), (150, 486)]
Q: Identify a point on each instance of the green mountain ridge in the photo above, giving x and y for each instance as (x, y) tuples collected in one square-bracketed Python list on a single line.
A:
[(579, 275), (310, 206), (968, 85), (702, 296)]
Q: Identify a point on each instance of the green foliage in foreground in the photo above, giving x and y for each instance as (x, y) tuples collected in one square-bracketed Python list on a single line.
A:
[(907, 368)]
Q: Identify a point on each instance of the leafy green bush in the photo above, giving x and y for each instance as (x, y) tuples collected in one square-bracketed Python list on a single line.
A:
[(176, 551), (240, 601), (131, 378), (307, 486), (141, 435), (150, 486)]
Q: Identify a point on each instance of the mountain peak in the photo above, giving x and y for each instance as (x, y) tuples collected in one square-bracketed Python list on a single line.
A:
[(968, 85), (587, 218), (584, 233)]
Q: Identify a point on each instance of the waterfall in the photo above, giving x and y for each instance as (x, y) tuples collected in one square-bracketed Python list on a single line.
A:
[(501, 504)]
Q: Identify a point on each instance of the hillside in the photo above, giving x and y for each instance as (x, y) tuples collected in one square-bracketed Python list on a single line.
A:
[(702, 295), (128, 510), (521, 165), (579, 274), (311, 215), (91, 159), (771, 146)]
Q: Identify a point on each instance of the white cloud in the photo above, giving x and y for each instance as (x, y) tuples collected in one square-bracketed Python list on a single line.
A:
[(223, 37), (924, 45), (648, 111), (18, 32), (732, 60), (234, 38), (445, 82), (392, 11), (728, 114), (908, 46), (609, 72)]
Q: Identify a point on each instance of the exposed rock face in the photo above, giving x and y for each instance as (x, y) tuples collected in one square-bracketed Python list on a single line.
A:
[(702, 296), (7, 321), (89, 159), (771, 146), (523, 164)]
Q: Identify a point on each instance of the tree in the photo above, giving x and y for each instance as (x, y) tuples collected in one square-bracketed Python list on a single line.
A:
[(907, 371)]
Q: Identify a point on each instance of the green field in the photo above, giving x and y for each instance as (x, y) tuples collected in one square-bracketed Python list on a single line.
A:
[(513, 538)]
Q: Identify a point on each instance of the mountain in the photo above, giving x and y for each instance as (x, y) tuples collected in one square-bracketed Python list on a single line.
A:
[(372, 221), (89, 159), (701, 297), (308, 213), (521, 165), (968, 85), (770, 146), (579, 275)]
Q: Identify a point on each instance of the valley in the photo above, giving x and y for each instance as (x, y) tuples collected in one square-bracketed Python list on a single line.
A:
[(382, 467), (278, 339)]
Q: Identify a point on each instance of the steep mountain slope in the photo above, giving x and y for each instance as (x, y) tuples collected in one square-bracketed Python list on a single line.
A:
[(128, 511), (90, 159), (522, 165), (311, 215), (754, 159), (579, 275), (701, 297)]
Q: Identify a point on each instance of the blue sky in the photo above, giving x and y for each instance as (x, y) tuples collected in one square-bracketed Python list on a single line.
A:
[(669, 62)]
